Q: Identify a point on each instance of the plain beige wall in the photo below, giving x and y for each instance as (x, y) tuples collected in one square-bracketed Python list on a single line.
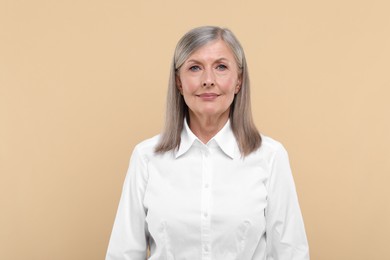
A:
[(81, 82)]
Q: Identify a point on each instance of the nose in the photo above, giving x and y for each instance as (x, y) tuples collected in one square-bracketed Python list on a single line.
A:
[(207, 84), (208, 79)]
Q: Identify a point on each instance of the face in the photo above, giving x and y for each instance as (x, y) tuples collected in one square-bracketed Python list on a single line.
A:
[(209, 80)]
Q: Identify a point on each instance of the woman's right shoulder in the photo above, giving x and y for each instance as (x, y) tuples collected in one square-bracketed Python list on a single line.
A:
[(147, 146)]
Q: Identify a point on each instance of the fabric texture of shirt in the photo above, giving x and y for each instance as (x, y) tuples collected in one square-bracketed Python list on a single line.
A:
[(206, 201)]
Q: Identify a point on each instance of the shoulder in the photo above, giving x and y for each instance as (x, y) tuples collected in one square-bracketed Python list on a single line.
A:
[(269, 150), (143, 152), (146, 147), (270, 146), (277, 157), (271, 157)]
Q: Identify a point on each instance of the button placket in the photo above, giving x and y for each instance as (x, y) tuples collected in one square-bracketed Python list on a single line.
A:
[(205, 204)]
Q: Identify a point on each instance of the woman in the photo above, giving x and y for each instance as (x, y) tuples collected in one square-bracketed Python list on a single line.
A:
[(210, 186)]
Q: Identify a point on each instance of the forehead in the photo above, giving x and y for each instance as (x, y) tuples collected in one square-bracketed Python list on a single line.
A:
[(216, 49)]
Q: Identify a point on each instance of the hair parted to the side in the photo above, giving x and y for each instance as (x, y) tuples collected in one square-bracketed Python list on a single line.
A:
[(243, 127)]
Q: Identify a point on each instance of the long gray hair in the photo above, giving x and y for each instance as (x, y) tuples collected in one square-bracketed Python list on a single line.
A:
[(244, 129)]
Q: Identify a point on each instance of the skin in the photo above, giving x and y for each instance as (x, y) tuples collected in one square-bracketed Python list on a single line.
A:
[(208, 81)]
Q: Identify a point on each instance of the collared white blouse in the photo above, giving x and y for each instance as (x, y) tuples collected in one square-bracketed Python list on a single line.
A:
[(205, 201)]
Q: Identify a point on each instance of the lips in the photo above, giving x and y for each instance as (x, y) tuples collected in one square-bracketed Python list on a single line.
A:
[(208, 95)]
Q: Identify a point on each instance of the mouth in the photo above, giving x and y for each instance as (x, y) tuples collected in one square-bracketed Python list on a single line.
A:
[(208, 95)]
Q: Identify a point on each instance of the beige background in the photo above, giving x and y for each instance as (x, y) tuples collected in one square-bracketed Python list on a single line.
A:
[(81, 82)]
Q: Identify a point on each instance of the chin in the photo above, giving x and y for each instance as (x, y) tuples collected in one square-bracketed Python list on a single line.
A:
[(213, 113)]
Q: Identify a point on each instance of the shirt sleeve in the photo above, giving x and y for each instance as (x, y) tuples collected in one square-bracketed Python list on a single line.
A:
[(129, 235), (285, 231)]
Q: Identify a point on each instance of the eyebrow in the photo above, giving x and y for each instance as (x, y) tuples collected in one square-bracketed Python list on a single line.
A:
[(216, 61)]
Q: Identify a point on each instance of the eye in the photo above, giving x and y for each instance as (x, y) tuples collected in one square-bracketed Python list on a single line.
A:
[(194, 68), (221, 67)]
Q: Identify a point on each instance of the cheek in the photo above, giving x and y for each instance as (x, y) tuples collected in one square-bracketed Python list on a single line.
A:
[(189, 85), (229, 86)]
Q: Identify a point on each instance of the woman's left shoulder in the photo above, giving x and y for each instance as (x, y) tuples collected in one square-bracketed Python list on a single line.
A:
[(269, 150), (270, 145)]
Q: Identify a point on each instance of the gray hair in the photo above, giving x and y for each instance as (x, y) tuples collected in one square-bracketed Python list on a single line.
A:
[(244, 129)]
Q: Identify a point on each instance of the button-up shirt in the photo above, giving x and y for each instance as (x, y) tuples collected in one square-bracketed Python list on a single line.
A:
[(206, 201)]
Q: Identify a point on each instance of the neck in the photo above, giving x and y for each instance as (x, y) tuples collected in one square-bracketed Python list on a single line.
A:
[(205, 127)]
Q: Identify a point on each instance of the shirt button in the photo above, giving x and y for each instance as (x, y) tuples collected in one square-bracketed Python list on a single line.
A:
[(206, 248), (205, 214), (206, 185)]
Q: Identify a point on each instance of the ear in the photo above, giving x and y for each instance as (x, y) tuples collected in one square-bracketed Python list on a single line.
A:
[(238, 86), (178, 84)]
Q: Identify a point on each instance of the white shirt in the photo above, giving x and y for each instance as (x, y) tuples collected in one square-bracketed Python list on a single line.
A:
[(205, 201)]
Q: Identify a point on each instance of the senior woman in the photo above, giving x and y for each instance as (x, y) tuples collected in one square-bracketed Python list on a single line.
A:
[(210, 186)]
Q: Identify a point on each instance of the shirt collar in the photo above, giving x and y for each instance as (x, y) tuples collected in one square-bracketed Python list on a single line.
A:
[(224, 139), (227, 141), (186, 140)]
